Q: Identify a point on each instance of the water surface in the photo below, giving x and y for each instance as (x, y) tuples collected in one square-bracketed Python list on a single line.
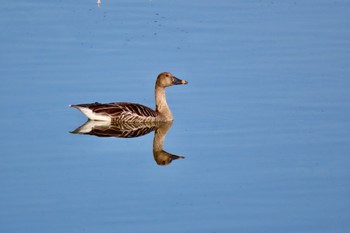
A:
[(263, 123)]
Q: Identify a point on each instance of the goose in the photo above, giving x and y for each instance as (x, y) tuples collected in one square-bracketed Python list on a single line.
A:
[(131, 112)]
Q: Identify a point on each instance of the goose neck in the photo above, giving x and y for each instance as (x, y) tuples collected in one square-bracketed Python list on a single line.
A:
[(161, 104)]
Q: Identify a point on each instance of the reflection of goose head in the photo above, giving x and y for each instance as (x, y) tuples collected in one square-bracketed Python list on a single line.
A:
[(160, 156), (131, 130), (165, 158)]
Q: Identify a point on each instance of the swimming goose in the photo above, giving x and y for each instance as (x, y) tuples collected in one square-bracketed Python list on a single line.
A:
[(131, 112)]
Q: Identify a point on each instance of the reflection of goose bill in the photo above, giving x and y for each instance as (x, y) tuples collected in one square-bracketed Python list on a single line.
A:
[(165, 158)]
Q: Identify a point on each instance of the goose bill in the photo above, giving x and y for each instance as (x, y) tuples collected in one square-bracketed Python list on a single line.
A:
[(177, 81)]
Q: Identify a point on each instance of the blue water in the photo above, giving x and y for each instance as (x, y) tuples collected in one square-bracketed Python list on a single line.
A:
[(263, 123)]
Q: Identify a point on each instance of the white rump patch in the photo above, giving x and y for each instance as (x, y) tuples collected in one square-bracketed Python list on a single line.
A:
[(93, 116)]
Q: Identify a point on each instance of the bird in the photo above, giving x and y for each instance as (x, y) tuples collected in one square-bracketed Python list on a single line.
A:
[(117, 112)]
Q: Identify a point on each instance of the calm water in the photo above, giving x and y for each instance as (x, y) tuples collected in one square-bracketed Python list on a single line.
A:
[(264, 123)]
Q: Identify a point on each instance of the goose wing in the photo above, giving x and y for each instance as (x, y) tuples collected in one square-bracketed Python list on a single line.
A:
[(115, 109), (121, 110)]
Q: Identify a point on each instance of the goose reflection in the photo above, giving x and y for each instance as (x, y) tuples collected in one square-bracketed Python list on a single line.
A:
[(132, 130)]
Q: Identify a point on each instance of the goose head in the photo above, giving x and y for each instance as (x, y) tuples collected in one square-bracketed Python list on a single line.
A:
[(166, 79)]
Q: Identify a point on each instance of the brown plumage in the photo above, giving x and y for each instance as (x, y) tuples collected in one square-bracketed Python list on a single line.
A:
[(132, 112)]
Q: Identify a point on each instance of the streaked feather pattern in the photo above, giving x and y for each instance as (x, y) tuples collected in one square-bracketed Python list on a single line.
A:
[(120, 130), (121, 111)]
